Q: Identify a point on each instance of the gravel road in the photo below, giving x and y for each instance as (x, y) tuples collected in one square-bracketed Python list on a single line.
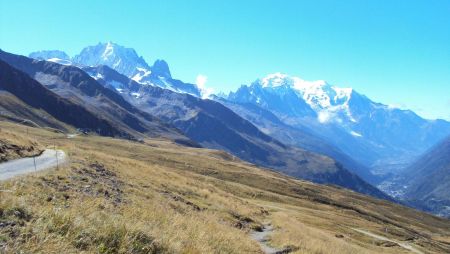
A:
[(46, 160)]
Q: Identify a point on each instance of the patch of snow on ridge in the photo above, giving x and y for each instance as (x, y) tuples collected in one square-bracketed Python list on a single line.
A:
[(396, 106), (321, 95), (59, 61), (145, 71), (329, 102), (116, 84), (313, 92), (137, 95), (324, 116), (342, 94), (108, 51), (274, 80), (349, 114), (356, 134), (308, 86), (165, 84), (142, 73), (99, 76), (117, 64)]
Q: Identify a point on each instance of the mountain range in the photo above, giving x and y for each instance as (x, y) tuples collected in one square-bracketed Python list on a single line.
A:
[(378, 136), (308, 129), (213, 125), (199, 121), (77, 87), (125, 61)]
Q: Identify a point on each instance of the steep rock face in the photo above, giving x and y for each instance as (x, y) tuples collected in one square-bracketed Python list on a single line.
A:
[(161, 69), (124, 60), (374, 134), (75, 85), (215, 126), (428, 180)]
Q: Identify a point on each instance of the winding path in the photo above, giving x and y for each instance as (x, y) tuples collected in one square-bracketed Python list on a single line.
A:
[(48, 159), (379, 237), (262, 239)]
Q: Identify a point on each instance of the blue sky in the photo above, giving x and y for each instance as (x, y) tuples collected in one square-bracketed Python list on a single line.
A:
[(396, 52)]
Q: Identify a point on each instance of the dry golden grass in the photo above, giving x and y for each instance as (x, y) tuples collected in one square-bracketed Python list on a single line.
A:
[(117, 196), (309, 238), (15, 145)]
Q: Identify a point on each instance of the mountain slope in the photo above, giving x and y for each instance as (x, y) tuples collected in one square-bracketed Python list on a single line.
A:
[(303, 138), (75, 85), (48, 54), (57, 56), (215, 126), (428, 180), (157, 197), (22, 95)]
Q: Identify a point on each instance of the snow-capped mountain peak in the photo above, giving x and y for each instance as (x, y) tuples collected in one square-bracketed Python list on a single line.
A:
[(109, 49), (126, 62), (122, 59), (293, 96), (318, 94), (275, 79), (322, 95), (280, 79)]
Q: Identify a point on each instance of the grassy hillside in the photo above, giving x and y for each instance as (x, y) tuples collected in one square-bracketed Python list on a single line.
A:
[(14, 110), (15, 145), (117, 196)]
